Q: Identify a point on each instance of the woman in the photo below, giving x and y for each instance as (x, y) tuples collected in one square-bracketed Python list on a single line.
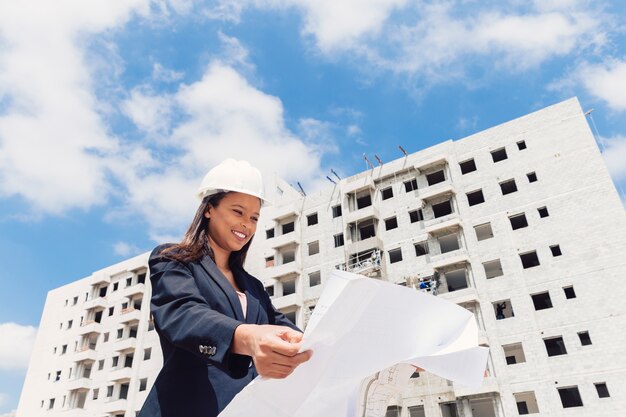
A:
[(217, 327)]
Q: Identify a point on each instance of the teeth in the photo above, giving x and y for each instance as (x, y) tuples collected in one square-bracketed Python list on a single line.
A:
[(239, 234)]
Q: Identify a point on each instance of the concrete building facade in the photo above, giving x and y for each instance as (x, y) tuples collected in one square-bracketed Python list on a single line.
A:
[(520, 224)]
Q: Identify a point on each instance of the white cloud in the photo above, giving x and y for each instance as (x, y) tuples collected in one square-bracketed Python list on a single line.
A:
[(52, 140), (606, 81), (338, 25), (223, 116), (437, 40), (149, 112), (16, 344), (126, 249), (614, 154), (160, 73)]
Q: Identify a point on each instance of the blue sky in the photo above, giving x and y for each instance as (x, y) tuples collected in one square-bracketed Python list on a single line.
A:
[(111, 112)]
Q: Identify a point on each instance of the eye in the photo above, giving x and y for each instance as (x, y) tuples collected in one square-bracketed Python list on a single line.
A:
[(255, 219), (239, 212)]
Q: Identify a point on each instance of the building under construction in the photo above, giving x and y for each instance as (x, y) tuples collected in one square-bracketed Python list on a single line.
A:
[(520, 224)]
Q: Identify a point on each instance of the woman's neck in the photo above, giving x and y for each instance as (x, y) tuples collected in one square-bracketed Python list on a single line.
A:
[(220, 255)]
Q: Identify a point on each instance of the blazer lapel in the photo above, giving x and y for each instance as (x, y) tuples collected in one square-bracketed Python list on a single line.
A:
[(216, 275), (253, 306)]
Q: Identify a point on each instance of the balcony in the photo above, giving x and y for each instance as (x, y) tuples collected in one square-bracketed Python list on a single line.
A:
[(124, 345), (489, 385), (436, 191), (293, 267), (463, 296), (357, 184), (85, 354), (284, 240), (90, 326), (443, 260), (115, 406), (364, 213), (121, 374), (98, 302), (98, 278), (129, 315), (438, 228), (285, 301), (370, 243), (430, 163), (79, 384), (134, 289), (284, 211)]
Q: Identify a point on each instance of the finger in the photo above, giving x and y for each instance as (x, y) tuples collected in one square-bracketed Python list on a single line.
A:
[(292, 336), (283, 347)]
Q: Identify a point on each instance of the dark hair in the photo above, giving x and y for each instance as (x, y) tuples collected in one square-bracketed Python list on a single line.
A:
[(195, 243)]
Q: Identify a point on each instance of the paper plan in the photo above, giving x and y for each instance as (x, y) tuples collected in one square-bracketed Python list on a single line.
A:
[(367, 336)]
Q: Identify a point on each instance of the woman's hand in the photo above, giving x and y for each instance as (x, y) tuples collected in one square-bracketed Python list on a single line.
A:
[(274, 349)]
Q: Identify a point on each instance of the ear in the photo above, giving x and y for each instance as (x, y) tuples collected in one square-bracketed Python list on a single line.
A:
[(207, 213)]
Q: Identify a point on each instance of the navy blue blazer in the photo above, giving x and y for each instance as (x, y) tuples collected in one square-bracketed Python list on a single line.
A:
[(196, 311)]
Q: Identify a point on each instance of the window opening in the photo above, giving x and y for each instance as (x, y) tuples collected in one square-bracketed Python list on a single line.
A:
[(410, 185), (542, 301), (311, 219), (315, 278), (421, 248), (555, 346), (518, 221), (435, 177), (602, 390), (363, 201), (288, 227), (468, 166), (395, 255), (499, 155), (475, 197), (289, 286), (336, 211), (391, 223), (483, 231), (569, 292), (387, 193), (585, 340), (532, 177), (556, 250), (503, 309), (526, 403), (543, 212), (508, 187), (493, 269), (338, 238), (514, 353), (570, 397), (529, 259), (448, 243), (521, 145), (416, 215), (442, 209), (314, 248)]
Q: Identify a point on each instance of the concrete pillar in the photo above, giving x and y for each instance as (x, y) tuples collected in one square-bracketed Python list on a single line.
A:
[(464, 407)]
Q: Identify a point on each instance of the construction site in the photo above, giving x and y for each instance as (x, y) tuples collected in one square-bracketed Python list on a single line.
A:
[(520, 224)]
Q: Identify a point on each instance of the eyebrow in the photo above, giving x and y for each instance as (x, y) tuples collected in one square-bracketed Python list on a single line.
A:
[(240, 206)]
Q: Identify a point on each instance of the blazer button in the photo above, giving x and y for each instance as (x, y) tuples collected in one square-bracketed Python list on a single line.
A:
[(202, 348), (213, 349)]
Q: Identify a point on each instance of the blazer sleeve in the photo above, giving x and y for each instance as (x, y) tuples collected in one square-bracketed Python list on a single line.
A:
[(184, 318)]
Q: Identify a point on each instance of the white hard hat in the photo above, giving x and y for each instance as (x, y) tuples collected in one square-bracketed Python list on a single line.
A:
[(232, 175)]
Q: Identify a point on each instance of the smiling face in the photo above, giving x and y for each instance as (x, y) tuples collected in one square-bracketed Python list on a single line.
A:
[(233, 222)]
